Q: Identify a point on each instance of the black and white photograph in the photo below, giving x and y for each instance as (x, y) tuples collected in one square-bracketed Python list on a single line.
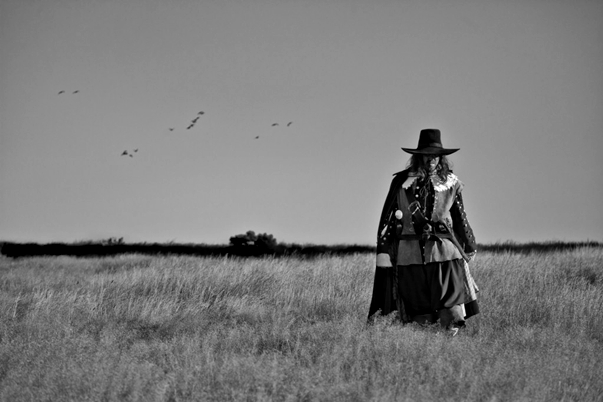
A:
[(301, 200)]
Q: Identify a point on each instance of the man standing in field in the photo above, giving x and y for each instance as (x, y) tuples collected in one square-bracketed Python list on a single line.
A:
[(425, 242)]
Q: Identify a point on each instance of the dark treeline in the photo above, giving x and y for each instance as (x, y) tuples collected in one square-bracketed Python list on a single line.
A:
[(85, 249), (100, 249), (532, 247)]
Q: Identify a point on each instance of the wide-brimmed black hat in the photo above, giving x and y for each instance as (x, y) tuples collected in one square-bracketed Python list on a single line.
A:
[(430, 144)]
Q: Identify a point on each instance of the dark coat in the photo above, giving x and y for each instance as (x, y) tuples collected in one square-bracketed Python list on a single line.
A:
[(448, 210), (397, 243)]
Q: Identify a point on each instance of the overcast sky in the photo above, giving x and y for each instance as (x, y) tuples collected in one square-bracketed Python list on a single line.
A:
[(516, 85)]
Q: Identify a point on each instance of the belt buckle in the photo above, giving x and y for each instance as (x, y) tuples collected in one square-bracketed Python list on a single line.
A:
[(427, 232)]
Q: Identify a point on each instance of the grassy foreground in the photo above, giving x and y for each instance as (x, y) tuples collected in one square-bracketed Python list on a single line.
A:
[(145, 328)]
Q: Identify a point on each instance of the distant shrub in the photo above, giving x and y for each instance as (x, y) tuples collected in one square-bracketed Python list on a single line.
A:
[(260, 243), (243, 240)]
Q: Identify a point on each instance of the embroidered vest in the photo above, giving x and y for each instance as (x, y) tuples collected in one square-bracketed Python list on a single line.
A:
[(409, 251)]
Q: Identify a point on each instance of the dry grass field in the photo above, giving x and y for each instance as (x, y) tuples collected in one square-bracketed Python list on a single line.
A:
[(140, 328)]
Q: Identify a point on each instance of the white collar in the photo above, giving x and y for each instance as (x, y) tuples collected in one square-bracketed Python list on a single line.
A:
[(438, 184)]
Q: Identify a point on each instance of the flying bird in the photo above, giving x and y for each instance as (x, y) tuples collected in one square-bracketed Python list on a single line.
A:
[(274, 124), (171, 129), (124, 153), (189, 127), (76, 92), (256, 137), (201, 112), (195, 119), (288, 124), (136, 150), (61, 92)]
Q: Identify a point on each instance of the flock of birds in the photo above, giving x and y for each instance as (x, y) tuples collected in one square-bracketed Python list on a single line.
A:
[(193, 121), (274, 125), (131, 155), (190, 126)]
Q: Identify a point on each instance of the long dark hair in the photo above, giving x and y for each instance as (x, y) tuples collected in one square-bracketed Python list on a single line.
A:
[(415, 164)]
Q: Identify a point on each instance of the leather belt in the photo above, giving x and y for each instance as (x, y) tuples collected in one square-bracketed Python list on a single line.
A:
[(435, 237), (429, 233)]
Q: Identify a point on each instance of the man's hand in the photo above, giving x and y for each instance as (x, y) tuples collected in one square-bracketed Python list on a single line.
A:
[(471, 255)]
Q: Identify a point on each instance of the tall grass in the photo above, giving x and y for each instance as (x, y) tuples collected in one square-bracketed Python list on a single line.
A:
[(185, 328)]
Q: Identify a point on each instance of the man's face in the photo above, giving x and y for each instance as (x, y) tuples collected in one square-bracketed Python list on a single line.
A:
[(431, 161)]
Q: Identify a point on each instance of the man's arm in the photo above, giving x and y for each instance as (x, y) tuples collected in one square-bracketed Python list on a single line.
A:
[(461, 226)]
